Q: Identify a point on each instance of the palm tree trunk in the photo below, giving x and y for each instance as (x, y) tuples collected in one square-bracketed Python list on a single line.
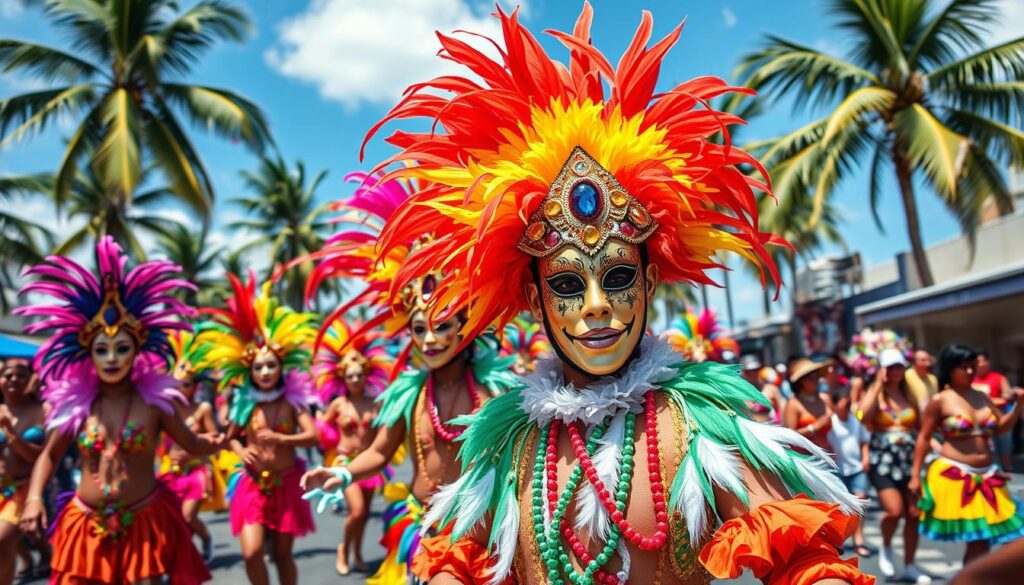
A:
[(766, 301), (905, 179)]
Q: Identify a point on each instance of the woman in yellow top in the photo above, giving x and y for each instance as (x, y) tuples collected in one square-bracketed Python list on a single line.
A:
[(964, 496)]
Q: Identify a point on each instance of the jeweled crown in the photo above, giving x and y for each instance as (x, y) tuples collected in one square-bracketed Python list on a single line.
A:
[(584, 207), (112, 317), (416, 295)]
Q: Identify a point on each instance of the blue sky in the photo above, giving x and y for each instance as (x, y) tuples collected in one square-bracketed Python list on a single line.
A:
[(325, 70)]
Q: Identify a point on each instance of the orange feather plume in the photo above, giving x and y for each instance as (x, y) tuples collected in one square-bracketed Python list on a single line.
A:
[(499, 140)]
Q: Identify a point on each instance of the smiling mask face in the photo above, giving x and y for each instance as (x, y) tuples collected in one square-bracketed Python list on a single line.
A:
[(113, 356), (594, 308)]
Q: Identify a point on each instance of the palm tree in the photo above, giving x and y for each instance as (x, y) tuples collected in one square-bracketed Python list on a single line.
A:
[(116, 79), (917, 94), (219, 290), (106, 213), (191, 250), (283, 211), (20, 238)]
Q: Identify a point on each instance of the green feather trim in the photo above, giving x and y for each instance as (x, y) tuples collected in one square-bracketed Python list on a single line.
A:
[(399, 399)]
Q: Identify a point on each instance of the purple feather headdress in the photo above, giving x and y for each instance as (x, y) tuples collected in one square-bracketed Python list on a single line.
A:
[(138, 301)]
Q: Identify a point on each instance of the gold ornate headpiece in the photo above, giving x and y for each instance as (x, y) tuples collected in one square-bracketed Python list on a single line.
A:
[(416, 295), (112, 317), (584, 207)]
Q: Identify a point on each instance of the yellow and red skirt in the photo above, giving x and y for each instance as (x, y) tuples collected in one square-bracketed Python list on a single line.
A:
[(963, 503), (12, 499), (125, 544)]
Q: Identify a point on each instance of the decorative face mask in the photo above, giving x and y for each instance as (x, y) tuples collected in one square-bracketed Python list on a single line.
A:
[(114, 356), (266, 369), (438, 343), (594, 307)]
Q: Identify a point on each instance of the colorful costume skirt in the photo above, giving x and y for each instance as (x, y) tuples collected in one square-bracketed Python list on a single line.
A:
[(125, 544), (273, 500), (891, 454), (402, 522), (963, 503), (12, 499), (188, 482)]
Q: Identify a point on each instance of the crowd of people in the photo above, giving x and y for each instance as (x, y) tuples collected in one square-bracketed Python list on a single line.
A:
[(932, 440), (506, 263)]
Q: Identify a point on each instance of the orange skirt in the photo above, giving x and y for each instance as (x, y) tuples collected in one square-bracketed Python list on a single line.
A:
[(141, 541)]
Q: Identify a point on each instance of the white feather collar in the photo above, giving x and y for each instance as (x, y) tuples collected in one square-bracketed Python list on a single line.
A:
[(546, 397)]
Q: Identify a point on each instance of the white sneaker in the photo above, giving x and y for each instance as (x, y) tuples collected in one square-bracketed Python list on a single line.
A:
[(885, 561), (914, 575)]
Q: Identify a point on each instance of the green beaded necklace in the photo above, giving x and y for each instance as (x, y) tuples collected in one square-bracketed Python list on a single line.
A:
[(551, 548)]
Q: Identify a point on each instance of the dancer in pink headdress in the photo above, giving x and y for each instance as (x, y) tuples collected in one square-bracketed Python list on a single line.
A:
[(350, 373), (103, 370)]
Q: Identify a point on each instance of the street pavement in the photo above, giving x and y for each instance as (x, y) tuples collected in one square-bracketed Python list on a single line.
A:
[(315, 553)]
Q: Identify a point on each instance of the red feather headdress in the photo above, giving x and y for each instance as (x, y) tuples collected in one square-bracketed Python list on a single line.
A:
[(499, 149)]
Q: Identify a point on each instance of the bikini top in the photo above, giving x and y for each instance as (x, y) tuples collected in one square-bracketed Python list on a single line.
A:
[(958, 426), (133, 440), (888, 419), (351, 424), (809, 419), (34, 434), (283, 425)]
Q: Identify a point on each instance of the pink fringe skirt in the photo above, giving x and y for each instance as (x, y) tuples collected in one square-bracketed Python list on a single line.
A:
[(189, 484), (273, 500)]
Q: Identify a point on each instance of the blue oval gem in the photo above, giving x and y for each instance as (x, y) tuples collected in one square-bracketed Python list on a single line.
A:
[(584, 201)]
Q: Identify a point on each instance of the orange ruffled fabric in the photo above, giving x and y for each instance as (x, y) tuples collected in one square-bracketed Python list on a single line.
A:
[(465, 559), (158, 542), (793, 542)]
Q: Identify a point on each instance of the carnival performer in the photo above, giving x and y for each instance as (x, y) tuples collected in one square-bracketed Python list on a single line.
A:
[(459, 374), (964, 494), (22, 415), (700, 337), (103, 373), (890, 412), (263, 351), (524, 339), (187, 476), (350, 372), (555, 199), (810, 411), (753, 372)]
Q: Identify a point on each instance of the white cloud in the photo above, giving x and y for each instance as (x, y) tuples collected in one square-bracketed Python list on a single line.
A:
[(369, 52), (729, 17), (11, 8)]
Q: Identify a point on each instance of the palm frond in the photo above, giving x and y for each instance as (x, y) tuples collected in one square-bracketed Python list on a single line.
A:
[(783, 66), (1005, 143), (956, 30), (1003, 62), (179, 160), (46, 63), (222, 111), (878, 163), (876, 44), (1002, 101), (864, 101), (31, 112), (932, 147), (183, 40), (117, 159)]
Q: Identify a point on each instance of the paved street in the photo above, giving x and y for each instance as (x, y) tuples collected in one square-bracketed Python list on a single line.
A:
[(315, 554)]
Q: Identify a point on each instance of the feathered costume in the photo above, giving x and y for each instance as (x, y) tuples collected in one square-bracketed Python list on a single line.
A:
[(189, 481), (525, 340), (120, 542), (700, 337), (863, 354), (353, 253), (502, 166), (329, 376), (252, 323)]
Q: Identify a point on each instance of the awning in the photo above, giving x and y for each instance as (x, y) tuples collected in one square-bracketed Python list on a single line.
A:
[(14, 347), (970, 290)]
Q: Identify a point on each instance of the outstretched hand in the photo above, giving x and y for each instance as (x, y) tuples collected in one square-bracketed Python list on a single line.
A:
[(327, 485)]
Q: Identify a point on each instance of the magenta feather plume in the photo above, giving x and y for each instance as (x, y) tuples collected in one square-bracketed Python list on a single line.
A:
[(145, 293)]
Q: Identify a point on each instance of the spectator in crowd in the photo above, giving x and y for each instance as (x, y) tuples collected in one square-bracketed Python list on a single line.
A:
[(892, 415), (786, 387), (849, 440), (751, 368), (998, 388), (809, 412), (922, 382)]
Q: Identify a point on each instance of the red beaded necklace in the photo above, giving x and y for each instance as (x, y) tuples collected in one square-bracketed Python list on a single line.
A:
[(443, 431), (579, 445)]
